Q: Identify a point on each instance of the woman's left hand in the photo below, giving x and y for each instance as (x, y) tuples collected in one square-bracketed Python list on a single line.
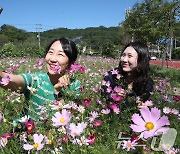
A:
[(63, 82), (122, 93)]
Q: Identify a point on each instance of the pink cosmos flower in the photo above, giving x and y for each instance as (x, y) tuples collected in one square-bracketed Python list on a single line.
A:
[(30, 126), (114, 71), (167, 110), (117, 89), (109, 89), (129, 145), (75, 67), (76, 130), (115, 108), (97, 123), (149, 122), (5, 80), (116, 97), (172, 151), (93, 116), (61, 119), (56, 69), (105, 111), (37, 143)]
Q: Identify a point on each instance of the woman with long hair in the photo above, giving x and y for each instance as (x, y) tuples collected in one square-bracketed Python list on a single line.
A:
[(131, 77)]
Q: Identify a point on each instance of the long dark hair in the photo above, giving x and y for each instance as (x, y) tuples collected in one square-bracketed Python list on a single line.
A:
[(69, 48), (142, 70)]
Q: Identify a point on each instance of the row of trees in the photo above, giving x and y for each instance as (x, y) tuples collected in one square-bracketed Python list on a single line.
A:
[(152, 21), (148, 21)]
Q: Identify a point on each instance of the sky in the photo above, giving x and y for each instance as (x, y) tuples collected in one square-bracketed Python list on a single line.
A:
[(42, 15)]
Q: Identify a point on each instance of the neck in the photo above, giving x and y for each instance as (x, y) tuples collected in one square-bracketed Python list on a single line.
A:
[(54, 78)]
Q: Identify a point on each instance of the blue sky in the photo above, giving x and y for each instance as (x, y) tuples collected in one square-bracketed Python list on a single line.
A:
[(71, 14)]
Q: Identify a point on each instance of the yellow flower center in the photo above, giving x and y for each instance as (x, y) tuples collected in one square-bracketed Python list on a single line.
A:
[(50, 141), (35, 146), (60, 106), (149, 125), (129, 145), (62, 120), (29, 128)]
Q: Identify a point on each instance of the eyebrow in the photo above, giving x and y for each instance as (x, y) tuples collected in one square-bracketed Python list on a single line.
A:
[(53, 49)]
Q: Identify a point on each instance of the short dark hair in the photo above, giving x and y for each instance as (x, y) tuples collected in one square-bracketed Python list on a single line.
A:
[(69, 48)]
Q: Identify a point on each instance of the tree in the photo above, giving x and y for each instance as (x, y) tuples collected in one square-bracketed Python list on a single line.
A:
[(149, 21), (152, 20)]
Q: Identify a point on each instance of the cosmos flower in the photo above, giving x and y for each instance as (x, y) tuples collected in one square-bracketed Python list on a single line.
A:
[(86, 102), (76, 130), (75, 67), (30, 126), (129, 144), (92, 138), (116, 97), (97, 123), (37, 143), (5, 80), (105, 111), (149, 122), (57, 69), (61, 119)]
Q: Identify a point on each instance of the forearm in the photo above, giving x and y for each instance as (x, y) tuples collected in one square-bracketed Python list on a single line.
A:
[(11, 81)]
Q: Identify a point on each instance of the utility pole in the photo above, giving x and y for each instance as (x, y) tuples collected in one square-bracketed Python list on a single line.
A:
[(38, 29)]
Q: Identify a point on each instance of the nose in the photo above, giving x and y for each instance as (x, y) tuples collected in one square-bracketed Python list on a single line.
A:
[(124, 59), (53, 58)]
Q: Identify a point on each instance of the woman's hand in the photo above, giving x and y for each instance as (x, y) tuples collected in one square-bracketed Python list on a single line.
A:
[(63, 82), (122, 93)]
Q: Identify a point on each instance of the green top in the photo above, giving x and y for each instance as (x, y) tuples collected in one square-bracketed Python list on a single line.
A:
[(39, 91)]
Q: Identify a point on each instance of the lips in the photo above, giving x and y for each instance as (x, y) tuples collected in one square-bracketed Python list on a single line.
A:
[(124, 65)]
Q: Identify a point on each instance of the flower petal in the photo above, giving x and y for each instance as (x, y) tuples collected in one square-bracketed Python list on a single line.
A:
[(148, 134), (146, 114), (27, 146), (40, 146), (155, 114), (137, 128), (162, 121), (136, 118)]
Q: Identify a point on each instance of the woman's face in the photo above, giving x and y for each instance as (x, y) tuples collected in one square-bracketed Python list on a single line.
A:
[(55, 58), (129, 59)]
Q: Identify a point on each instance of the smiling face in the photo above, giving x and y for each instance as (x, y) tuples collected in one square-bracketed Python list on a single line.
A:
[(129, 59), (55, 58)]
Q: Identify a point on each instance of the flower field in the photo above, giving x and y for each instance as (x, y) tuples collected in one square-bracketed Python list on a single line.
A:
[(88, 124)]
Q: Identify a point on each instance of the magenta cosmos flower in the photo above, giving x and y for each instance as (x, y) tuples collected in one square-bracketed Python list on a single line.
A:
[(5, 80), (30, 126), (149, 122), (61, 119)]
